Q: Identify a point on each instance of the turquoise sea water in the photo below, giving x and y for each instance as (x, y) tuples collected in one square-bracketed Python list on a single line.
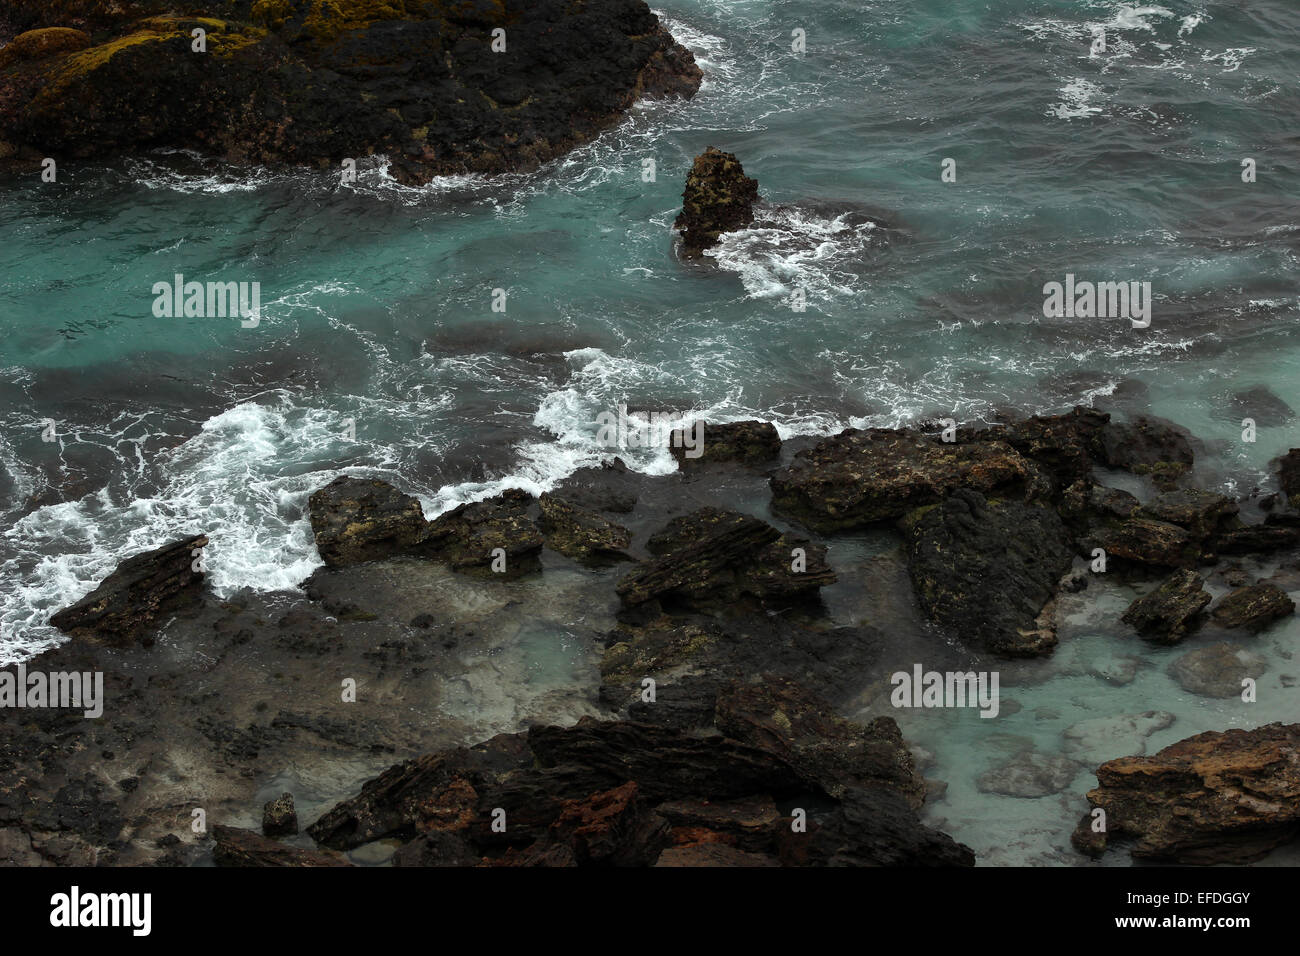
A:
[(379, 352)]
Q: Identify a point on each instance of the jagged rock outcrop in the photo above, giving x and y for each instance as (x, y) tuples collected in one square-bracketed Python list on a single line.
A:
[(718, 198), (712, 558), (629, 793), (480, 535), (1168, 613), (126, 604), (987, 570), (439, 86), (1213, 798), (859, 478), (580, 533), (279, 818), (364, 519), (1253, 607)]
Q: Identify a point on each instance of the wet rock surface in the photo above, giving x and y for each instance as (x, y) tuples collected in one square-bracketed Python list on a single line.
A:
[(1167, 614), (1212, 798), (440, 88), (718, 198), (127, 603)]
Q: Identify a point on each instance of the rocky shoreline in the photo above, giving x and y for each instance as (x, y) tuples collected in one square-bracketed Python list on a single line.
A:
[(701, 722), (440, 88)]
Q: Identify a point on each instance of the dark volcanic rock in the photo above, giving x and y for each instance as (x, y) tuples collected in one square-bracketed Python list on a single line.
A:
[(718, 198), (1063, 444), (469, 536), (1148, 446), (858, 478), (123, 608), (750, 442), (712, 557), (1253, 607), (712, 854), (1275, 534), (830, 752), (1200, 512), (625, 793), (363, 519), (235, 847), (279, 818), (1145, 541), (312, 83), (987, 570), (1171, 610), (1212, 798), (580, 533)]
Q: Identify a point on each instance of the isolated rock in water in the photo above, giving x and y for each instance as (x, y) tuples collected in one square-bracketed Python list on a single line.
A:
[(986, 572), (123, 608), (858, 478), (1029, 775), (1253, 607), (1102, 738), (1171, 610), (749, 442), (1217, 670), (1260, 405), (1288, 475), (712, 557), (1212, 798), (719, 198), (439, 86), (279, 818), (580, 533), (235, 847), (480, 535), (363, 519)]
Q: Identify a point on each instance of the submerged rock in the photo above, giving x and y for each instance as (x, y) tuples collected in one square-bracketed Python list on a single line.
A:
[(1101, 738), (986, 571), (718, 198), (1253, 607), (125, 605), (440, 87), (1029, 775), (1218, 670), (1213, 798), (1261, 405), (1171, 610)]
